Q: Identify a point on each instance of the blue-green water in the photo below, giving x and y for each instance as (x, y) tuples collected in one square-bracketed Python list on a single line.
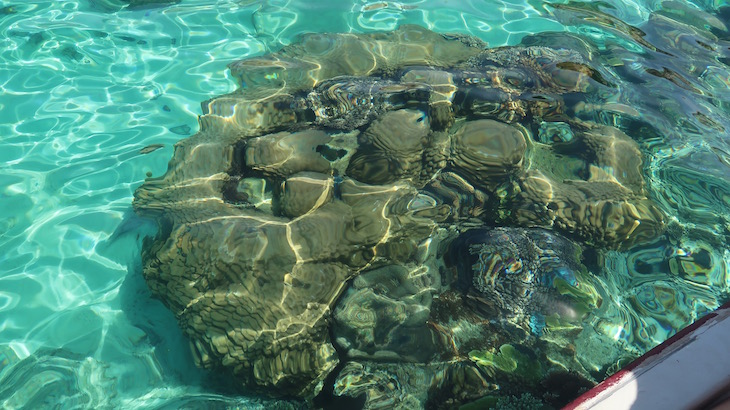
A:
[(87, 84)]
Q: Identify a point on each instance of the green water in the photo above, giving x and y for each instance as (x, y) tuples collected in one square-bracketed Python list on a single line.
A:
[(87, 84)]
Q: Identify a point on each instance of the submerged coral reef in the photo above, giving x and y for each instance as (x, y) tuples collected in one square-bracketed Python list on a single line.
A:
[(331, 227)]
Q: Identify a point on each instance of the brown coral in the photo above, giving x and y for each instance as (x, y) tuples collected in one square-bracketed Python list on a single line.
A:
[(341, 156)]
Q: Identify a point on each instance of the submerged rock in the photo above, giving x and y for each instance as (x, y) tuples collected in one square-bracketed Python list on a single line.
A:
[(487, 152), (391, 148), (254, 292), (598, 194), (303, 227), (409, 386), (283, 154), (305, 192), (383, 316)]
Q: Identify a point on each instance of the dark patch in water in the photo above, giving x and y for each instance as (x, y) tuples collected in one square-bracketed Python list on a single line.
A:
[(150, 148), (331, 154), (181, 129), (8, 10)]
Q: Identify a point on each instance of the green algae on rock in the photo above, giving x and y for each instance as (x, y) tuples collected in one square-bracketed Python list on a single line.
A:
[(303, 227)]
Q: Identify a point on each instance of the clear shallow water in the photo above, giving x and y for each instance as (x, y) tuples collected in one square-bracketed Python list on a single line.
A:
[(85, 88)]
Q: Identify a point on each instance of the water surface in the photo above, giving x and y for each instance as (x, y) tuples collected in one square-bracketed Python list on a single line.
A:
[(88, 85)]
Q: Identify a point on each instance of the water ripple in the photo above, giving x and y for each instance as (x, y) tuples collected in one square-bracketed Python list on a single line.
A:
[(87, 84)]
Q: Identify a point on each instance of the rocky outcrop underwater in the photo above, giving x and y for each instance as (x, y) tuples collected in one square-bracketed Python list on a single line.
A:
[(405, 219)]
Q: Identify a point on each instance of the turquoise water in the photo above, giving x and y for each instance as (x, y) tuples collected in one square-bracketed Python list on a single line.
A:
[(86, 85)]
